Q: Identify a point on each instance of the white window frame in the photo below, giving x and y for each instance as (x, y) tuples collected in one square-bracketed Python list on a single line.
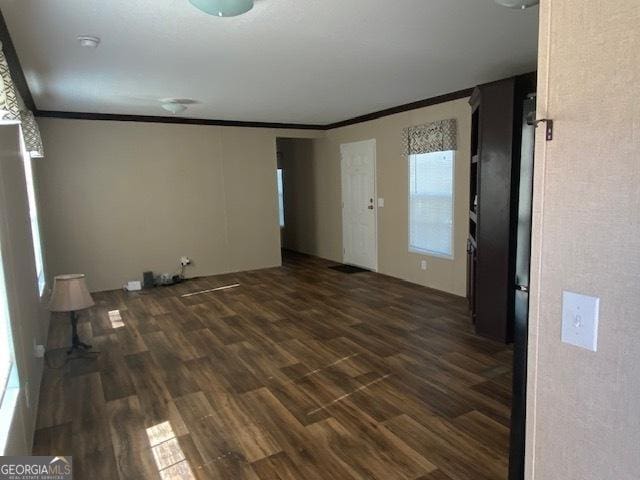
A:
[(426, 252), (34, 217)]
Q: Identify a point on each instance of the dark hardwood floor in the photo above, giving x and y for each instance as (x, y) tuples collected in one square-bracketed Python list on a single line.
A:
[(300, 372)]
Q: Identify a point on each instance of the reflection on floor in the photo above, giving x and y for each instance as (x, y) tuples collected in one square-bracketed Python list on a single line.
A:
[(300, 372)]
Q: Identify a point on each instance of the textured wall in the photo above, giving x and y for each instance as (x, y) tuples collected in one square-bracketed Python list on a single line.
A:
[(120, 198), (583, 407)]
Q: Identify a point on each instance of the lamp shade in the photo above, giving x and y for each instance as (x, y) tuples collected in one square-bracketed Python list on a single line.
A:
[(70, 293)]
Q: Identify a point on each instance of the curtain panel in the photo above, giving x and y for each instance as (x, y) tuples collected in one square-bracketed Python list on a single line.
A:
[(10, 110), (438, 136)]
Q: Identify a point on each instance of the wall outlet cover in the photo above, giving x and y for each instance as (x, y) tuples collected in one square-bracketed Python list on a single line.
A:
[(134, 286), (580, 320), (423, 264), (39, 351)]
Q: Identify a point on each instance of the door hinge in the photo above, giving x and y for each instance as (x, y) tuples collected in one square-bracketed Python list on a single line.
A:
[(548, 127)]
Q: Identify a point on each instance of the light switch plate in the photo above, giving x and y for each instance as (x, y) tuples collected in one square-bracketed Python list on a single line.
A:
[(380, 202), (580, 320)]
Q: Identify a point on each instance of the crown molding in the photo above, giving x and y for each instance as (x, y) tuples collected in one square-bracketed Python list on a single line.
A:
[(427, 102), (115, 117)]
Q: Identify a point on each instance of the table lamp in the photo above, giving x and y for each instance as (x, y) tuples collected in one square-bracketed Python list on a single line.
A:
[(70, 294)]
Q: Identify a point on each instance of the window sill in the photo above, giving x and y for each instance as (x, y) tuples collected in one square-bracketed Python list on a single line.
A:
[(426, 253)]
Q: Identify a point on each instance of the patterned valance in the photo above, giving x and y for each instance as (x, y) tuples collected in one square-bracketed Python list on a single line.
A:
[(10, 110), (431, 137), (31, 134), (9, 107)]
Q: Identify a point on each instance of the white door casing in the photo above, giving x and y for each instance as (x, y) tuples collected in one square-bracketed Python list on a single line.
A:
[(359, 210)]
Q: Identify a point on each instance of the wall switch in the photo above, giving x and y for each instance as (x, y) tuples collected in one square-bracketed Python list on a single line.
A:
[(580, 320), (380, 202), (423, 264)]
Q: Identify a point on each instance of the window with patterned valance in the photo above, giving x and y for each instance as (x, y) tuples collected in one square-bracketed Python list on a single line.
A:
[(10, 110), (440, 136), (430, 151)]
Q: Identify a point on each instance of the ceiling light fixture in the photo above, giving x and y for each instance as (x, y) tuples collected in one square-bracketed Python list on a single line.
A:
[(175, 105), (223, 8), (521, 4), (89, 41)]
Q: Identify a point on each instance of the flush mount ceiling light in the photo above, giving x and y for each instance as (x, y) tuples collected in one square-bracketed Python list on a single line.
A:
[(223, 8), (89, 41), (521, 4), (175, 105)]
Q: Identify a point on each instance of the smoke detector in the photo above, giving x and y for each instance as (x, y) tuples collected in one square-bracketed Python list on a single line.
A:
[(521, 4), (89, 41)]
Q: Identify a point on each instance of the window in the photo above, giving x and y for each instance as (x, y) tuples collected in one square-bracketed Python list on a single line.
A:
[(281, 197), (33, 216), (431, 203), (9, 382), (6, 345)]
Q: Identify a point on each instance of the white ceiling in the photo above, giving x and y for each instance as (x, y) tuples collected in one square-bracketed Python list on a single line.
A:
[(300, 61)]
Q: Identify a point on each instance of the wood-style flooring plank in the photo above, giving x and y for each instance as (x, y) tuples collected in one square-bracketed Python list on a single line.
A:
[(300, 372)]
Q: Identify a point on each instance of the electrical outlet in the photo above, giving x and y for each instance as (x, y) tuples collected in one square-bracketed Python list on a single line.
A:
[(423, 264), (38, 350), (184, 261)]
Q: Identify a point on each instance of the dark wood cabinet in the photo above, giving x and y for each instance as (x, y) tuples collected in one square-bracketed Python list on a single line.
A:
[(493, 213)]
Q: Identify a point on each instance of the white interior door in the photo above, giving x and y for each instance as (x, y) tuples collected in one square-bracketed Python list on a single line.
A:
[(359, 213)]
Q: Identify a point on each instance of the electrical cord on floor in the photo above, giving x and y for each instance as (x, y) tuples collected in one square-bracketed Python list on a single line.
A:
[(68, 358)]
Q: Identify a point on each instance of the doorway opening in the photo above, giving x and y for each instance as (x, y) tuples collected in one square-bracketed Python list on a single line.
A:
[(296, 180)]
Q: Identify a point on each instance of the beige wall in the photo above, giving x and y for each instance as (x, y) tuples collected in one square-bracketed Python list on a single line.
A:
[(315, 204), (120, 198), (29, 317), (583, 407)]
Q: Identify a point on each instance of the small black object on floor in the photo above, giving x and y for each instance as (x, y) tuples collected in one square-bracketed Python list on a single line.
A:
[(349, 269)]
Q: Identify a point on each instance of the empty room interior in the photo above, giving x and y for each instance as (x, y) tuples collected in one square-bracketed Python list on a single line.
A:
[(319, 239)]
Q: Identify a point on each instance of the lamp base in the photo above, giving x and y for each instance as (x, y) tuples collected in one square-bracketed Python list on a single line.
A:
[(76, 344)]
